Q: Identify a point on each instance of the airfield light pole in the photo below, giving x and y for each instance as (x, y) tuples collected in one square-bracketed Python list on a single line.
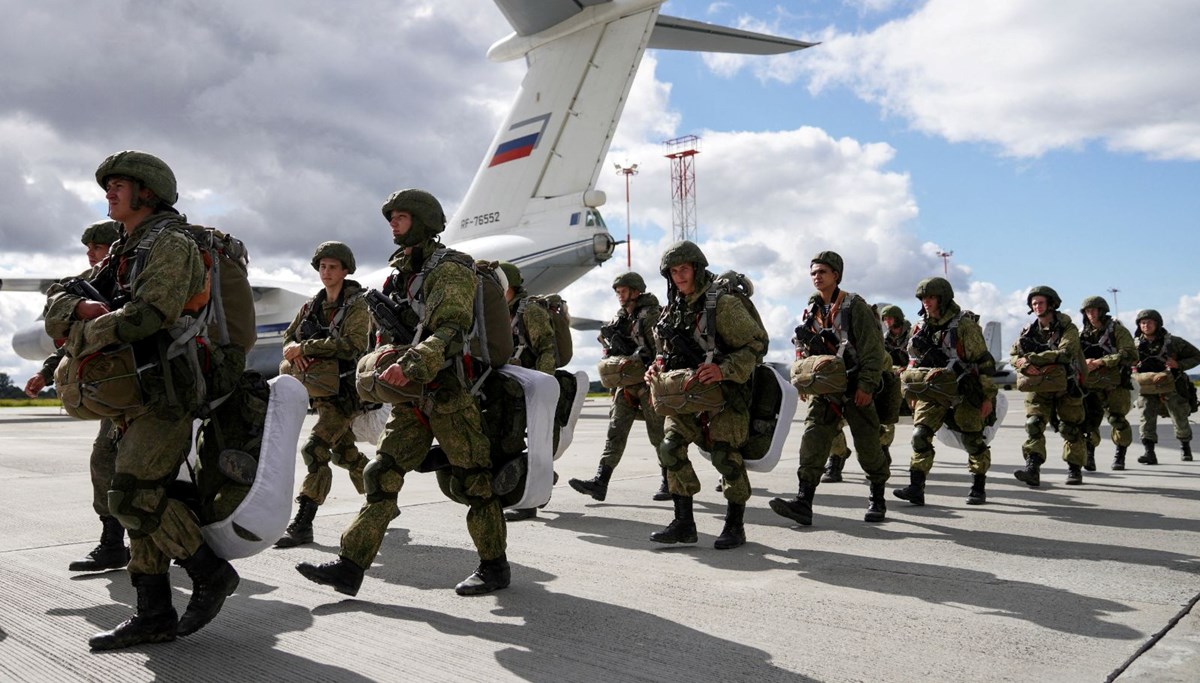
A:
[(945, 261), (682, 153), (627, 171), (1116, 309)]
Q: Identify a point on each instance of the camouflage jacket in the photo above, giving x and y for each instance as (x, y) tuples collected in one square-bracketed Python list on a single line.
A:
[(533, 335), (1165, 345), (173, 273), (1112, 344), (896, 345), (448, 293), (1058, 343), (635, 330), (741, 342), (964, 338), (345, 338), (863, 331)]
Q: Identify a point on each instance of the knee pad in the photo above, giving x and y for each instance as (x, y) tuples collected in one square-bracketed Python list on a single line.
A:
[(382, 477), (315, 453), (345, 457), (123, 491), (1119, 423), (922, 439), (669, 449), (1035, 426), (723, 464), (1071, 431), (974, 443)]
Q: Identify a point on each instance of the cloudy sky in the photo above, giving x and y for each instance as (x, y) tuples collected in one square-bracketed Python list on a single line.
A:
[(1041, 143)]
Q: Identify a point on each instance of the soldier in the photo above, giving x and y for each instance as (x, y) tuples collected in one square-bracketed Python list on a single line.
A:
[(1048, 348), (723, 350), (157, 282), (949, 339), (1109, 352), (629, 334), (533, 347), (1160, 351), (845, 316), (442, 309), (333, 324), (111, 553)]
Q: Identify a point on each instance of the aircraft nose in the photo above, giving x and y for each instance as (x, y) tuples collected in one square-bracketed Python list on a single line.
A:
[(32, 343)]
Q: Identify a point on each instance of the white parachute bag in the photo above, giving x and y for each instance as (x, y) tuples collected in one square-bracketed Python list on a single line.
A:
[(368, 425), (567, 433), (954, 439), (541, 399)]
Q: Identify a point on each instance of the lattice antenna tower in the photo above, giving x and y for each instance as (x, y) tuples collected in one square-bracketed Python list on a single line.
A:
[(682, 153)]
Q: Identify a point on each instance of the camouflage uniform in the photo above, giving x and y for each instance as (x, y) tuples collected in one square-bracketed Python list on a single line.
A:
[(1152, 352), (1108, 388), (345, 339), (1043, 347), (633, 402), (952, 339), (896, 346), (533, 335)]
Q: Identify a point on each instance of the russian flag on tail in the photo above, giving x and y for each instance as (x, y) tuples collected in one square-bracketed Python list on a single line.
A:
[(525, 140)]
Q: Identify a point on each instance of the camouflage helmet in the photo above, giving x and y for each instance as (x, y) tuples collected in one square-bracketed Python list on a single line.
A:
[(680, 253), (892, 311), (1053, 300), (145, 168), (936, 286), (428, 219), (1151, 314), (631, 280), (101, 232), (831, 259), (337, 250), (1094, 302), (512, 274)]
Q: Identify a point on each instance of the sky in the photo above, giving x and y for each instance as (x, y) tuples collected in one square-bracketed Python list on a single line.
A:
[(1041, 143)]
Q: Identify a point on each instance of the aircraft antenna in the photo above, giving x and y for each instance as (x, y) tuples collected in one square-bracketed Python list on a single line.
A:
[(682, 153)]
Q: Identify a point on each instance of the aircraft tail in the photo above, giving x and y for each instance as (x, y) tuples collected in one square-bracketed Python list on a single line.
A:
[(991, 337)]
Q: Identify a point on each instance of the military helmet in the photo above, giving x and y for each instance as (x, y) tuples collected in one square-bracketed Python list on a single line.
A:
[(1052, 297), (630, 280), (679, 253), (101, 232), (831, 259), (1151, 314), (892, 311), (428, 219), (337, 250), (1094, 302), (145, 168), (936, 286), (512, 274)]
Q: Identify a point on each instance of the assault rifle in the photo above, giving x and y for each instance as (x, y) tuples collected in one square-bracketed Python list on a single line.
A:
[(389, 315), (929, 354), (684, 351), (311, 329), (615, 342), (810, 343), (83, 288)]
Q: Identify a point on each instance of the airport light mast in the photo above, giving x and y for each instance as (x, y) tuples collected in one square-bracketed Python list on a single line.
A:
[(1116, 309), (682, 153), (945, 255), (627, 170)]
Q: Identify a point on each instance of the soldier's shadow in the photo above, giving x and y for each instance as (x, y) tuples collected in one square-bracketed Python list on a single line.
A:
[(547, 634)]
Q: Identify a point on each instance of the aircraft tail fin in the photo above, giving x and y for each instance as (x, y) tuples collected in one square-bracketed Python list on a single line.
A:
[(991, 337)]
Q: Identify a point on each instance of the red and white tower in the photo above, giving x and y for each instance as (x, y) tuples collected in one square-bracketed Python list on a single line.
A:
[(682, 153)]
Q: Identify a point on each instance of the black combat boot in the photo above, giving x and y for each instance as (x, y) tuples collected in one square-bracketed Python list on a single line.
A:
[(734, 533), (491, 575), (519, 514), (213, 580), (110, 554), (833, 470), (1186, 451), (342, 575), (1074, 475), (155, 620), (876, 504), (1119, 458), (915, 491), (597, 487), (300, 531), (663, 492), (977, 495), (1090, 465), (682, 529), (798, 509), (1148, 458), (1031, 475)]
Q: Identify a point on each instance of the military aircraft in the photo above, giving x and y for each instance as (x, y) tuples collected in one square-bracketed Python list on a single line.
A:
[(533, 200)]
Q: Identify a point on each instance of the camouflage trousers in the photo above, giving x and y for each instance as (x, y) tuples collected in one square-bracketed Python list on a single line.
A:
[(821, 428), (928, 417), (1115, 403), (332, 440), (628, 404), (1177, 407), (720, 435), (150, 451), (1039, 410), (103, 464), (453, 418), (840, 449)]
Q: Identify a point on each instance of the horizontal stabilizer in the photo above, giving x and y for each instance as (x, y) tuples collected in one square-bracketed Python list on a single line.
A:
[(528, 17), (27, 284), (673, 33)]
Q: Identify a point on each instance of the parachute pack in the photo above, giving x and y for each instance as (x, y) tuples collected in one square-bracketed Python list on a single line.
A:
[(560, 321), (490, 337)]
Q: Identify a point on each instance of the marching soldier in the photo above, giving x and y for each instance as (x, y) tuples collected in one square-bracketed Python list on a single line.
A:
[(442, 309), (1161, 351), (1109, 352), (334, 324), (628, 337)]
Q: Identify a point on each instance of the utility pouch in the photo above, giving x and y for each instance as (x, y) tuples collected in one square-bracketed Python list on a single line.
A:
[(679, 392), (99, 385), (621, 371), (817, 375), (371, 389)]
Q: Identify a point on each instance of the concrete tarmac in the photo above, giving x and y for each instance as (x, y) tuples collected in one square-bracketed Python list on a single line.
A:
[(1081, 583)]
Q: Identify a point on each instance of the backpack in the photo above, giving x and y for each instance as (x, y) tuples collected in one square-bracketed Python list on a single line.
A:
[(560, 320)]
